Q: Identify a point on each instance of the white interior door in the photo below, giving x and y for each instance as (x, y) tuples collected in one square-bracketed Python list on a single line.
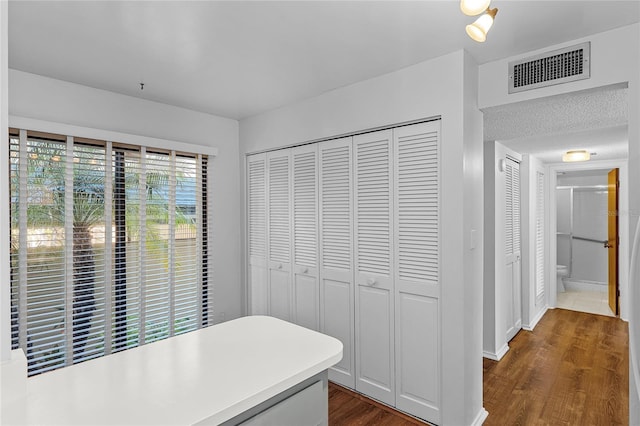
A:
[(257, 232), (336, 253), (417, 274), (306, 292), (512, 248), (279, 234), (375, 363)]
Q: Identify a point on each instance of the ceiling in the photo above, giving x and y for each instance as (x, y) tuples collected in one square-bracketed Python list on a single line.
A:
[(595, 120), (237, 59)]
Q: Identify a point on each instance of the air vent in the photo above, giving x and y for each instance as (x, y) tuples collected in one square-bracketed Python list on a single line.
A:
[(559, 66)]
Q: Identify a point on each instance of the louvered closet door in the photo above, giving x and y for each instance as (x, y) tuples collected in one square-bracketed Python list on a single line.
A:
[(279, 234), (375, 363), (512, 248), (336, 253), (257, 232), (417, 272), (306, 292)]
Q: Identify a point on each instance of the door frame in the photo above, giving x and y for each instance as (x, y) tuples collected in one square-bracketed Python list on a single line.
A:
[(623, 227)]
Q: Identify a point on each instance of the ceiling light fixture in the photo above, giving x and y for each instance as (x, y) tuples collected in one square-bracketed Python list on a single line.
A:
[(479, 29), (474, 7), (576, 155)]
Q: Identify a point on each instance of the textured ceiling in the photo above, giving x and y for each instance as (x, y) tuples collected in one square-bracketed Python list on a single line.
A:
[(595, 120)]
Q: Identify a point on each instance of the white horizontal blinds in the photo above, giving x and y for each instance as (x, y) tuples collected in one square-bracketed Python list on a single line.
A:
[(373, 205), (108, 247), (87, 215), (509, 173), (539, 233), (417, 203), (305, 200), (156, 249), (42, 243), (129, 235), (257, 207), (336, 207), (279, 233), (188, 264), (204, 211), (15, 235)]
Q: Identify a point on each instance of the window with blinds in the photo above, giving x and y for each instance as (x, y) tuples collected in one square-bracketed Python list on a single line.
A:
[(108, 247), (539, 234)]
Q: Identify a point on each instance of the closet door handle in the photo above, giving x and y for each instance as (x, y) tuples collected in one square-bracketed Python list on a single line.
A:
[(607, 245), (371, 281)]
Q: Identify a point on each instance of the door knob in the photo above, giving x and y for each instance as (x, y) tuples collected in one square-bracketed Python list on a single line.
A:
[(305, 270), (371, 281), (607, 245), (280, 266)]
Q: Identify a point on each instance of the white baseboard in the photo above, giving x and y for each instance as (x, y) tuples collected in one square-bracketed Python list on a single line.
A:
[(535, 320), (481, 417), (497, 356), (584, 285)]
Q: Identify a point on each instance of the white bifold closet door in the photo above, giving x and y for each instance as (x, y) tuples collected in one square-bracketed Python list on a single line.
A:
[(417, 275), (279, 234), (513, 261), (336, 253), (373, 198), (306, 292), (257, 232)]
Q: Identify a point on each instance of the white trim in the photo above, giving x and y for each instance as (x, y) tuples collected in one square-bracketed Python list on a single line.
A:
[(536, 320), (481, 417), (107, 135), (497, 356)]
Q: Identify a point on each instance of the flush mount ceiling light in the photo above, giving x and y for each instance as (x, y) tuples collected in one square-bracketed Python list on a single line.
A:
[(577, 155), (479, 29), (474, 7)]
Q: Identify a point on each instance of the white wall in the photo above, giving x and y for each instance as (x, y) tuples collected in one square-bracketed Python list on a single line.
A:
[(441, 87), (57, 101), (5, 295), (615, 58)]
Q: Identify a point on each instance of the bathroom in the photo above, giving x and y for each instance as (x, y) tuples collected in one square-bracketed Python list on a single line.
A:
[(582, 234)]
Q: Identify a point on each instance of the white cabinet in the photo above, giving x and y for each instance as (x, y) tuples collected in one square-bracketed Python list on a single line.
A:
[(336, 253), (279, 234), (352, 250), (306, 292), (257, 232), (375, 364), (417, 280)]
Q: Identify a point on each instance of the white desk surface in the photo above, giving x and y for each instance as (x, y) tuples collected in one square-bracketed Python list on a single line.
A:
[(215, 373)]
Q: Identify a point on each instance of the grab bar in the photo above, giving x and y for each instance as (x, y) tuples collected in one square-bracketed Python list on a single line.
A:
[(589, 239)]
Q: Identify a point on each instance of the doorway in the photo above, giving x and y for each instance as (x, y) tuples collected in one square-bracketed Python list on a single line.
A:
[(584, 266)]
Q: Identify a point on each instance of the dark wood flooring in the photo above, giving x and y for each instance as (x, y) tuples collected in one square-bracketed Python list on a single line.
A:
[(571, 370)]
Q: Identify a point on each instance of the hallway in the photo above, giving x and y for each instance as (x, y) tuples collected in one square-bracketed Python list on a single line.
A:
[(573, 369)]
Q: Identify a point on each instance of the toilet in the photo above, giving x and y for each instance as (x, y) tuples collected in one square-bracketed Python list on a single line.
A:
[(562, 272)]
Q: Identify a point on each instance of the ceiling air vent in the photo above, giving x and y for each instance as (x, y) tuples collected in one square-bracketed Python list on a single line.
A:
[(559, 66)]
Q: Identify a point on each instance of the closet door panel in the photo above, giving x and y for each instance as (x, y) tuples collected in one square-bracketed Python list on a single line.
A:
[(375, 364), (257, 232), (337, 321), (417, 275), (336, 253), (306, 291), (279, 233)]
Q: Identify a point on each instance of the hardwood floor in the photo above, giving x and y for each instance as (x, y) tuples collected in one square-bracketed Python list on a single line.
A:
[(348, 408), (573, 369)]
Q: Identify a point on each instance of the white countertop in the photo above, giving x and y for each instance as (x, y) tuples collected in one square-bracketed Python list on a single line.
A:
[(215, 373)]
